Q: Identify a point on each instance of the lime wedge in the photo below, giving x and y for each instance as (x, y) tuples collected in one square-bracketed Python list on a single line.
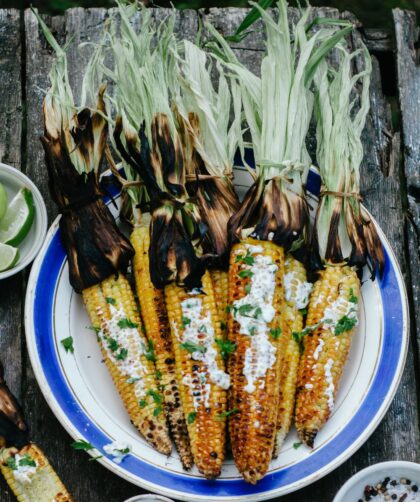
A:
[(3, 201), (9, 256), (18, 219)]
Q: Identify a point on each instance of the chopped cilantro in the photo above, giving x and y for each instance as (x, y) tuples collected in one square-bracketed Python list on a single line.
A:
[(298, 338), (303, 311), (149, 352), (110, 300), (228, 308), (123, 451), (275, 332), (81, 444), (352, 297), (193, 347), (243, 274), (257, 312), (157, 398), (158, 375), (191, 417), (93, 459), (202, 328), (248, 259), (96, 329), (226, 347), (247, 288), (185, 321), (227, 413), (345, 324), (142, 403), (252, 330), (157, 411), (112, 344), (11, 463), (244, 309), (132, 379), (223, 325), (126, 323), (297, 445), (122, 354), (68, 344), (27, 460)]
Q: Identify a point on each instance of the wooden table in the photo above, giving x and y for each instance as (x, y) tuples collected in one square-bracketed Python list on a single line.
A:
[(391, 187)]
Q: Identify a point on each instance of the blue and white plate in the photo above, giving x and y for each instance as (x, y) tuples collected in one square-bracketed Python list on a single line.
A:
[(80, 391)]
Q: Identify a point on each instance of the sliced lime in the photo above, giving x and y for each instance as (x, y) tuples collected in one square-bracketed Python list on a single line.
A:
[(3, 201), (18, 219), (9, 256)]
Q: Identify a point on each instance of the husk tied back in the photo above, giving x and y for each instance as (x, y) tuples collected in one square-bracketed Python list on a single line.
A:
[(74, 144), (147, 139), (343, 230), (278, 109)]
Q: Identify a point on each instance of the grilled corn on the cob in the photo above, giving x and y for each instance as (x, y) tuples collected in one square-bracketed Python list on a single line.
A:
[(220, 280), (30, 475), (255, 326), (200, 369), (113, 312), (332, 316), (155, 318), (296, 294)]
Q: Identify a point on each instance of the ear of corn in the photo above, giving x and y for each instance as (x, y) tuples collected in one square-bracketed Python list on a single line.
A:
[(253, 427), (33, 483), (113, 313), (200, 370), (155, 318), (332, 316), (220, 280), (297, 292)]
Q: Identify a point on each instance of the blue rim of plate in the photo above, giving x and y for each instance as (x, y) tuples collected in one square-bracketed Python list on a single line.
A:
[(42, 351)]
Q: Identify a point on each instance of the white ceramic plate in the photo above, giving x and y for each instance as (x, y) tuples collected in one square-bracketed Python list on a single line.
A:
[(13, 180), (80, 391)]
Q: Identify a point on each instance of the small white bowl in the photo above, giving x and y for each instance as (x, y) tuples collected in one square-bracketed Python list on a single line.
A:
[(352, 490), (150, 497), (13, 180)]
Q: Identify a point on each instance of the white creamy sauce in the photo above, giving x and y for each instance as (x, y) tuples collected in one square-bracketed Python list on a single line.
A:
[(271, 236), (309, 386), (318, 349), (118, 449), (24, 473), (131, 364), (254, 312), (296, 291), (198, 331), (329, 379)]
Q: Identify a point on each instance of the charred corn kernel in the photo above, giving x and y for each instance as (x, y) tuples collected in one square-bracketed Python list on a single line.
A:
[(113, 313), (255, 326), (200, 370), (220, 280), (297, 292), (30, 475), (155, 318), (330, 325)]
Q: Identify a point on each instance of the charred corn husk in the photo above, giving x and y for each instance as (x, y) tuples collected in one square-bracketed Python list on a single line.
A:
[(30, 476), (255, 327), (330, 325), (200, 369), (155, 318), (297, 292), (220, 280), (113, 312)]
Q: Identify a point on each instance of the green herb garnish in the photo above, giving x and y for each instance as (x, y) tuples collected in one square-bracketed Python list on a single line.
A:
[(122, 354), (81, 444), (68, 344), (353, 298), (27, 460), (193, 347), (345, 324), (132, 379), (110, 300), (191, 417), (226, 347), (149, 352), (11, 463), (126, 323), (157, 398), (112, 344), (185, 321), (227, 413), (297, 445), (143, 403), (157, 411), (275, 333), (243, 274)]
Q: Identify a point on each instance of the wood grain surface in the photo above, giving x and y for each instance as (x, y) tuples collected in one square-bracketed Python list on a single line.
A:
[(390, 186)]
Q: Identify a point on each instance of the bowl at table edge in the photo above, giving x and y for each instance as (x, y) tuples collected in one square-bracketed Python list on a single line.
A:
[(352, 490), (149, 497), (13, 180)]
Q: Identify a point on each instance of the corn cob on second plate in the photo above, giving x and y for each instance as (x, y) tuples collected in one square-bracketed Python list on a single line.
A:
[(113, 312), (200, 369), (330, 325), (255, 327), (30, 475), (155, 318)]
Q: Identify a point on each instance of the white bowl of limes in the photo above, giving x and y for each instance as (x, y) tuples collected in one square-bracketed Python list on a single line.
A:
[(23, 221)]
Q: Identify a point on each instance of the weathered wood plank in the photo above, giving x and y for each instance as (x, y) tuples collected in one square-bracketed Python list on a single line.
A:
[(10, 153), (408, 72)]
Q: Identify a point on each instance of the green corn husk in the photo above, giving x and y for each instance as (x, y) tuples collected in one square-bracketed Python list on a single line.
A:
[(146, 136), (343, 230), (278, 109), (204, 116), (74, 142)]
